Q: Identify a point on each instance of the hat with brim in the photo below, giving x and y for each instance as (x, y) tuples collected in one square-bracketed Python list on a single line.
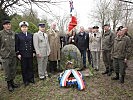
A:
[(23, 23), (95, 27), (6, 22), (106, 25), (41, 24)]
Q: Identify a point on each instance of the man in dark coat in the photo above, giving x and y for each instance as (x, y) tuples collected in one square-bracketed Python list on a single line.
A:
[(82, 42)]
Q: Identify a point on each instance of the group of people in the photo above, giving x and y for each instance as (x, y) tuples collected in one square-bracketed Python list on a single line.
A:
[(46, 46), (115, 48), (24, 46)]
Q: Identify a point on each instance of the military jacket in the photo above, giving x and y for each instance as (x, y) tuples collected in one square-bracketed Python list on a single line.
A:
[(121, 48), (41, 43), (95, 41), (107, 40), (7, 44), (24, 44)]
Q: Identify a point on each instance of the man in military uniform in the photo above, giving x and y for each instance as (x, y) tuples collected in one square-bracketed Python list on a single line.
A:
[(42, 49), (1, 67), (7, 52), (54, 41), (107, 42), (95, 47), (25, 52), (120, 54)]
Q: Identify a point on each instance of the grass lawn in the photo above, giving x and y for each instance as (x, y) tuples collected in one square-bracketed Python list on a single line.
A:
[(98, 87)]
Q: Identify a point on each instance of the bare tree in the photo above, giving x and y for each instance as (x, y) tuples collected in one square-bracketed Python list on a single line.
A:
[(116, 13), (62, 23), (12, 6), (102, 12), (9, 7)]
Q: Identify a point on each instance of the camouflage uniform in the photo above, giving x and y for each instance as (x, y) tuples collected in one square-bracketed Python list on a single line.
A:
[(121, 50), (7, 52), (107, 42)]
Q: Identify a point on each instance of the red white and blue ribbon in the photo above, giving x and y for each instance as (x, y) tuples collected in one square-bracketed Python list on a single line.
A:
[(77, 75)]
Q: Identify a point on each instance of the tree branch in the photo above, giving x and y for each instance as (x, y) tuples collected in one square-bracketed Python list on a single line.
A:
[(8, 5), (126, 1)]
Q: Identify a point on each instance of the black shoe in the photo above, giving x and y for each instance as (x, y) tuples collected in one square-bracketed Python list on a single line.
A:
[(122, 79), (116, 77), (109, 73), (10, 88), (26, 84), (32, 81), (13, 84)]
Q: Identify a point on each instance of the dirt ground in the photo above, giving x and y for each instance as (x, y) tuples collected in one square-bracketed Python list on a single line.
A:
[(98, 87)]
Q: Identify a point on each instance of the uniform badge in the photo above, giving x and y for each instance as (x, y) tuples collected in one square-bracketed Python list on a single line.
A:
[(85, 37), (12, 37)]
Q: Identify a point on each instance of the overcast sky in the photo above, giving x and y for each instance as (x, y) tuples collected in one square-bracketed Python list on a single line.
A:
[(82, 7)]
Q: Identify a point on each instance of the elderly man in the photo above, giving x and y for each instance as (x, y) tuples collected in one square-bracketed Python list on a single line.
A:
[(95, 47), (82, 42), (54, 41), (42, 49), (120, 54), (7, 52)]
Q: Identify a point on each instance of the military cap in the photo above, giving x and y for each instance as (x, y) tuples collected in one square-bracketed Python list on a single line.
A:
[(95, 27), (6, 22), (106, 25), (41, 24), (119, 28), (23, 23)]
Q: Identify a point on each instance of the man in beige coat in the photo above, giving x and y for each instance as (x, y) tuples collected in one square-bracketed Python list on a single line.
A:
[(95, 47), (42, 49), (54, 41)]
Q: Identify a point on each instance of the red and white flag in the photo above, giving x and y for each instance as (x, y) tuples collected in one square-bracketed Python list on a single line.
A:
[(72, 23)]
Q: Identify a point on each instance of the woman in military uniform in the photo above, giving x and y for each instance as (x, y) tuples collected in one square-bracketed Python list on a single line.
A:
[(25, 52)]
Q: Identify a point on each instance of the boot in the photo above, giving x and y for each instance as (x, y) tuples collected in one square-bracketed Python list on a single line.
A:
[(10, 88), (109, 73), (13, 84), (106, 72), (122, 79), (116, 77)]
